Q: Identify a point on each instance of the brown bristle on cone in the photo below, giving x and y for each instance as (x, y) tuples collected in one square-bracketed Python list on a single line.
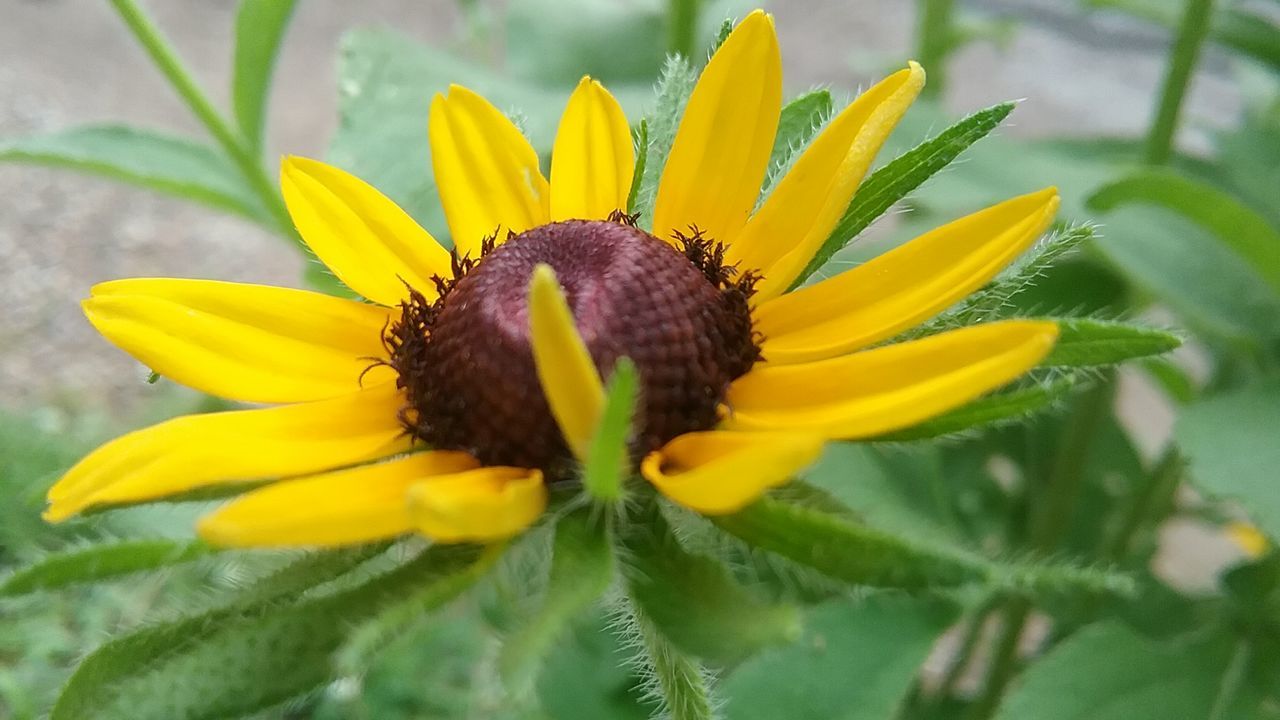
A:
[(467, 368)]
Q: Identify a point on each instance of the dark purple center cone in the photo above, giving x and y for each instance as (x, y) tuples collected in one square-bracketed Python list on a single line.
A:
[(468, 369)]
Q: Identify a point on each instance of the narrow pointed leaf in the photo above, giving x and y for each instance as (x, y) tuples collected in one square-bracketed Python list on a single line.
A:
[(1083, 342), (849, 551), (642, 159), (607, 458), (1232, 223), (237, 661), (165, 163), (797, 125), (674, 88), (582, 568), (904, 174), (101, 562), (695, 603), (260, 26), (990, 410)]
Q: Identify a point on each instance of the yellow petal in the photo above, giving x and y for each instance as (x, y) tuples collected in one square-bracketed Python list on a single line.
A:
[(807, 203), (360, 234), (1248, 538), (347, 507), (718, 472), (904, 286), (245, 342), (721, 150), (490, 503), (593, 159), (568, 376), (199, 451), (888, 388), (486, 170)]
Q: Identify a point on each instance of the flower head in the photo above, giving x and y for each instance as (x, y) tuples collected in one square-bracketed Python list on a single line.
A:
[(471, 380)]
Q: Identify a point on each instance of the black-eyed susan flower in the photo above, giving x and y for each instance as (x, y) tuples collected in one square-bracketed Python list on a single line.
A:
[(471, 380)]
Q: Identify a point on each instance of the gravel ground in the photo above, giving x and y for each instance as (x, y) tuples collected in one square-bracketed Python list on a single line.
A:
[(66, 62)]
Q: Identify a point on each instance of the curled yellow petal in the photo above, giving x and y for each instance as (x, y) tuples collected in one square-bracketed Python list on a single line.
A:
[(361, 235), (718, 472), (721, 150), (486, 171), (807, 203), (887, 388), (904, 286), (568, 376), (244, 342), (593, 159), (197, 451), (347, 507), (490, 503)]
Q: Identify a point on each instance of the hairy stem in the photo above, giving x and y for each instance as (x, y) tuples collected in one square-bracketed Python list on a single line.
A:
[(167, 60), (1182, 64)]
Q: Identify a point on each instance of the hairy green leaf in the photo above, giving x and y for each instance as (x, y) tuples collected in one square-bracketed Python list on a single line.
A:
[(101, 562), (797, 125), (605, 469), (850, 551), (680, 684), (164, 163), (1234, 224), (1230, 441), (582, 568), (904, 174), (998, 407), (674, 88), (240, 660), (641, 135), (693, 600), (260, 26), (1084, 342), (856, 660), (589, 674)]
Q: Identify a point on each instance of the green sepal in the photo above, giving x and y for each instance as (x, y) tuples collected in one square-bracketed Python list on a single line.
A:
[(582, 568), (895, 180), (797, 126), (694, 601), (673, 90), (105, 561), (1084, 342), (606, 465)]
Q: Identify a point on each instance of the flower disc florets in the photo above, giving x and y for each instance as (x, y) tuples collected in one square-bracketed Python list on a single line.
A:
[(466, 364)]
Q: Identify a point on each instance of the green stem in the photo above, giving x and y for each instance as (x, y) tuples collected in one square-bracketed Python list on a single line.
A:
[(934, 42), (1005, 661), (681, 681), (1182, 64), (1152, 503), (1051, 516), (968, 644), (167, 60), (1232, 679), (682, 27)]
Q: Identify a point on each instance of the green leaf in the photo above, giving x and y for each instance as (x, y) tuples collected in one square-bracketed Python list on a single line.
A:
[(674, 88), (694, 601), (857, 660), (681, 685), (894, 181), (606, 465), (1084, 342), (998, 407), (588, 675), (164, 163), (101, 562), (641, 139), (797, 125), (1234, 224), (850, 551), (1107, 672), (582, 569), (237, 661), (260, 26), (1230, 441)]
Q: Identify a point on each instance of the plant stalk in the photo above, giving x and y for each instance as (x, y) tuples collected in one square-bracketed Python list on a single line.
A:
[(1182, 64), (167, 60), (934, 42), (682, 26), (1005, 661)]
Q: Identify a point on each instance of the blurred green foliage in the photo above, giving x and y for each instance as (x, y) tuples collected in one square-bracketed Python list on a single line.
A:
[(1026, 530)]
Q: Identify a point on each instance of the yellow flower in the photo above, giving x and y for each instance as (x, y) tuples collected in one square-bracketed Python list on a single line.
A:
[(493, 355)]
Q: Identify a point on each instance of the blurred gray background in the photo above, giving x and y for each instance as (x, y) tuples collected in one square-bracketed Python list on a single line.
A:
[(67, 62)]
